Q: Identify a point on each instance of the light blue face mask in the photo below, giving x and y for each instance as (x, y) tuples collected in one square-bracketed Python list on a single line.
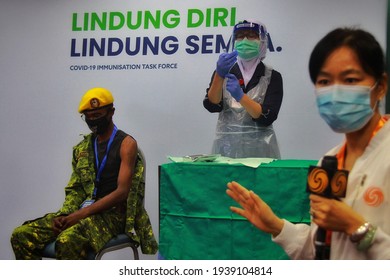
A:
[(345, 108)]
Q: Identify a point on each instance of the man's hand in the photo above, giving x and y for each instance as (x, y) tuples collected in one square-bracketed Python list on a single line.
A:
[(71, 219), (58, 224), (61, 223)]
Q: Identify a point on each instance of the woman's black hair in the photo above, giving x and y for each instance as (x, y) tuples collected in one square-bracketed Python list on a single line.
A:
[(364, 44)]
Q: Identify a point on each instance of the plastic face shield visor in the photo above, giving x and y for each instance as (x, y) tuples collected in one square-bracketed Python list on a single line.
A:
[(249, 26)]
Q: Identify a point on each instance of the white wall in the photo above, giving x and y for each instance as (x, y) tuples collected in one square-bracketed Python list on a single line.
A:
[(162, 109)]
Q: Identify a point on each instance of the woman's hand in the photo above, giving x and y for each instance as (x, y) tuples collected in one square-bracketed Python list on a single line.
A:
[(335, 215), (254, 209), (225, 63)]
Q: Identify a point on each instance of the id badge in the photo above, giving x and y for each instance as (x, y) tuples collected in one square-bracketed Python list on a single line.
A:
[(87, 203)]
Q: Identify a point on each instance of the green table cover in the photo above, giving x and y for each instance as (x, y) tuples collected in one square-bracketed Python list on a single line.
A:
[(195, 220)]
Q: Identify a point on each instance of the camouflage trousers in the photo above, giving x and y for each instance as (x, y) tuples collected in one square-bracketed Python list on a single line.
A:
[(92, 233)]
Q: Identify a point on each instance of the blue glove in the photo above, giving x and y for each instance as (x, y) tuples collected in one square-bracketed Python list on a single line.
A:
[(225, 62), (233, 86)]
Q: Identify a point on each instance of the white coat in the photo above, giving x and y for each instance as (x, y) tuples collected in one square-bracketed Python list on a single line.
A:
[(368, 193)]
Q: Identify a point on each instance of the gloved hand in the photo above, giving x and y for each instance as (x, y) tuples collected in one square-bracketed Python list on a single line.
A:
[(225, 62), (233, 86)]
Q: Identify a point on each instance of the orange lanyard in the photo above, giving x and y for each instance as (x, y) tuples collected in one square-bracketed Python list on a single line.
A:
[(341, 154)]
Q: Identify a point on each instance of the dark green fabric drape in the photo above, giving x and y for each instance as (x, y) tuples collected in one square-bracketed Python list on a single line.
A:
[(197, 224)]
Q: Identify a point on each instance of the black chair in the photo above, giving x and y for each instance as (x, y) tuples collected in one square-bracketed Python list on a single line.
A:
[(118, 242)]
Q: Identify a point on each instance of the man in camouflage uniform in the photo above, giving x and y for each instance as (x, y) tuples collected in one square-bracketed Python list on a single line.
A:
[(103, 197)]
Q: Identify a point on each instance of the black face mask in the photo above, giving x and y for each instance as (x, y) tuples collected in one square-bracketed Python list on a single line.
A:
[(98, 126)]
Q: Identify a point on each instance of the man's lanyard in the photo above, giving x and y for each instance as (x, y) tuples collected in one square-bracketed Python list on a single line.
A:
[(100, 166)]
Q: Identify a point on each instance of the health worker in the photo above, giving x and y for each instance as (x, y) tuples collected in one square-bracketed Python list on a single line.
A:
[(247, 94)]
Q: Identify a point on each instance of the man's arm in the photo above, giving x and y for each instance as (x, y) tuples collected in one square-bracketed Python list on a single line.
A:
[(128, 154)]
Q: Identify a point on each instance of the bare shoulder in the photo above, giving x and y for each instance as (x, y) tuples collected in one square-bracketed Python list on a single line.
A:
[(129, 147)]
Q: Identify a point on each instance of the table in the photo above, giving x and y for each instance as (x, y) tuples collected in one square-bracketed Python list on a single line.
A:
[(195, 220)]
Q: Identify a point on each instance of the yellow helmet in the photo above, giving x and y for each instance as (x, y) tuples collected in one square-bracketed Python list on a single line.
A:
[(95, 98)]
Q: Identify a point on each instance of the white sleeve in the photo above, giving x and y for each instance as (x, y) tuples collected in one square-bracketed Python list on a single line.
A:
[(296, 240), (379, 250)]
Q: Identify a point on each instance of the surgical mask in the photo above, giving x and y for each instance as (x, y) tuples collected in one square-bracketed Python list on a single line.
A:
[(247, 49), (345, 108), (98, 126)]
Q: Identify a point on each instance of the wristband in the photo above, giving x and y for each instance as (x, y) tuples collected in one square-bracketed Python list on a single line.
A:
[(360, 233), (368, 239)]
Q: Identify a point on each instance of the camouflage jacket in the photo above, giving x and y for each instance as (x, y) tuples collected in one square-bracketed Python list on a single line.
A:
[(81, 185)]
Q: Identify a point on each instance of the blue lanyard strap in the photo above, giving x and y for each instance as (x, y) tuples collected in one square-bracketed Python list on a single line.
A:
[(100, 166)]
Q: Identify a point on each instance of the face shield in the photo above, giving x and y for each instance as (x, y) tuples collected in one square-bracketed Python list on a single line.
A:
[(250, 29)]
